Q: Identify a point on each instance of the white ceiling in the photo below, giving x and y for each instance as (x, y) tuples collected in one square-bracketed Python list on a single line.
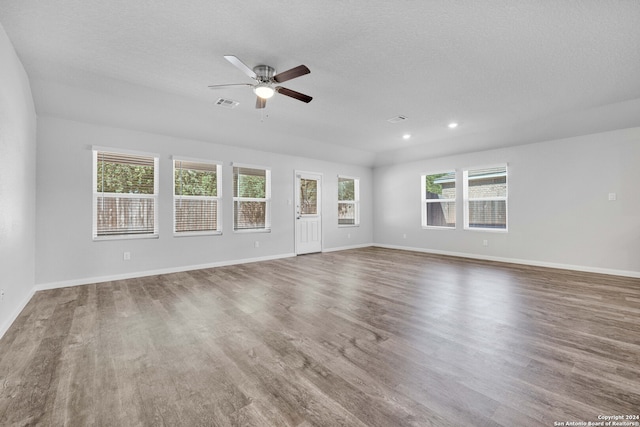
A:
[(510, 72)]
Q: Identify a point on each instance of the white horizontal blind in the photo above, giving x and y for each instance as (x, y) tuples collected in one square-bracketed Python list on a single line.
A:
[(348, 201), (251, 198), (125, 195), (439, 200), (485, 195), (196, 197)]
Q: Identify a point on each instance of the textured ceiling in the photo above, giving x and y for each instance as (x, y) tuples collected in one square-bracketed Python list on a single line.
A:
[(510, 72)]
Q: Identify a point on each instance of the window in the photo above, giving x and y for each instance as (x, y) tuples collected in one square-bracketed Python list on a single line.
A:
[(251, 198), (485, 197), (439, 200), (308, 196), (348, 201), (196, 197), (125, 195)]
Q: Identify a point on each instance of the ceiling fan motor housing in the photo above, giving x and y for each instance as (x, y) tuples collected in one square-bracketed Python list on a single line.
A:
[(264, 73)]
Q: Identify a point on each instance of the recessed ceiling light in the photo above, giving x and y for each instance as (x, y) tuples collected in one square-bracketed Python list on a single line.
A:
[(406, 136), (453, 125)]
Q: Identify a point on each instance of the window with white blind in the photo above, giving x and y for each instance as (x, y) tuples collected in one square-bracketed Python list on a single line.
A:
[(251, 199), (196, 197), (485, 198), (125, 195), (439, 200), (348, 201)]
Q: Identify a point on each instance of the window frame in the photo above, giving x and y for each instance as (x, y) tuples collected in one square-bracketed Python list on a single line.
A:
[(266, 199), (466, 199), (217, 198), (355, 202), (96, 194), (425, 201)]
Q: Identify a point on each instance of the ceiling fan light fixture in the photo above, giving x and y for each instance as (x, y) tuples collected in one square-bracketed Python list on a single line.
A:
[(266, 78), (264, 91)]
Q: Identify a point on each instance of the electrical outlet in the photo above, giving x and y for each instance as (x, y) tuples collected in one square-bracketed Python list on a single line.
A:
[(1, 294), (485, 243), (126, 256), (256, 244), (612, 197), (404, 236), (348, 235)]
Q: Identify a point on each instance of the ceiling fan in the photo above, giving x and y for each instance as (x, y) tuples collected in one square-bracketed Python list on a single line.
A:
[(266, 78)]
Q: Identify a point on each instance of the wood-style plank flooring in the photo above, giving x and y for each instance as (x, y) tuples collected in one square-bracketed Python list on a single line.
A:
[(367, 337)]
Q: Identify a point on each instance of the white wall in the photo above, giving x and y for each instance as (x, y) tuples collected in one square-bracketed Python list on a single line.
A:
[(67, 255), (17, 184), (559, 212)]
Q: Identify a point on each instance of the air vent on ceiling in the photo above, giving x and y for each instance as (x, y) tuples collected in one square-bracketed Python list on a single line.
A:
[(397, 119), (227, 103)]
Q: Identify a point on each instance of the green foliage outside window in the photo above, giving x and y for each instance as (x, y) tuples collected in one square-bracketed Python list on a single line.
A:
[(433, 187), (251, 186), (190, 182), (346, 189), (124, 178)]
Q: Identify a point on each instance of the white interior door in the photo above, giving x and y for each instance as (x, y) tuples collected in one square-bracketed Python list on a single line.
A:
[(308, 212)]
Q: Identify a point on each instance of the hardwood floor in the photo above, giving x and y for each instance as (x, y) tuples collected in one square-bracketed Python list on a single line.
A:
[(367, 337)]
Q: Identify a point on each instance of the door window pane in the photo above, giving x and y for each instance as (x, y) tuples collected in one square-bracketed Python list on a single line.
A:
[(308, 196)]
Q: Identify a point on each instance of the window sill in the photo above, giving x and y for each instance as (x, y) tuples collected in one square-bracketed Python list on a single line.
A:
[(433, 227), (125, 237), (197, 233), (253, 230), (487, 230), (348, 225)]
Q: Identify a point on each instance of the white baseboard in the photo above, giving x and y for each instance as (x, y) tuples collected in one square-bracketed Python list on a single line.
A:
[(16, 312), (344, 248), (587, 269), (133, 275)]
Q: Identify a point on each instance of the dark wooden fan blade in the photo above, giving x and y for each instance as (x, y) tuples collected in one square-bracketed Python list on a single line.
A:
[(229, 85), (293, 94), (260, 102), (298, 71), (241, 66)]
